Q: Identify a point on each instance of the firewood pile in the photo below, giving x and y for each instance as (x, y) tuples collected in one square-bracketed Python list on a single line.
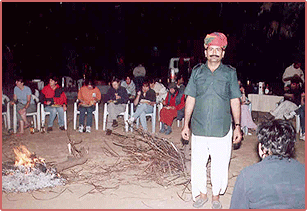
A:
[(164, 163)]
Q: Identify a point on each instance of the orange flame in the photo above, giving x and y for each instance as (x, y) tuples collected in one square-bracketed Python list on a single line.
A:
[(24, 157)]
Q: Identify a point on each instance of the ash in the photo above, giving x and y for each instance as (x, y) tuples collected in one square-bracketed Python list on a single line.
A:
[(23, 179)]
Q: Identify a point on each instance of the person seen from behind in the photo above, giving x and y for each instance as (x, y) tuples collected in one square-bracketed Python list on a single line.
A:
[(278, 180)]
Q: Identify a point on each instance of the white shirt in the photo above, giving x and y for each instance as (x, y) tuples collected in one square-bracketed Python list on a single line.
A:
[(129, 87), (161, 92), (139, 71), (290, 72)]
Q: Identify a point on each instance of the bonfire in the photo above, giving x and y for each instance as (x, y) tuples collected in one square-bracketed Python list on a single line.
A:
[(28, 173)]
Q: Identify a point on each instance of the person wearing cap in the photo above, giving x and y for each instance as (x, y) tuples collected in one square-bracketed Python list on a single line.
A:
[(173, 103), (213, 94), (278, 180)]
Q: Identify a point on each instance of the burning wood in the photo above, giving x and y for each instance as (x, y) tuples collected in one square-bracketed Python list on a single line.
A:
[(26, 158), (28, 173)]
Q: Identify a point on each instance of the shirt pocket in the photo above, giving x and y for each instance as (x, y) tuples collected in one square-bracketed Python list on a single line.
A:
[(202, 86), (222, 87)]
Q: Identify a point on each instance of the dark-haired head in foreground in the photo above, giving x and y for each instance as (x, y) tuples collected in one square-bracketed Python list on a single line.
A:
[(276, 138)]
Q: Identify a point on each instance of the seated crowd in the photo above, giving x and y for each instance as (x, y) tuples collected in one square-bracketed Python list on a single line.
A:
[(170, 101), (120, 93)]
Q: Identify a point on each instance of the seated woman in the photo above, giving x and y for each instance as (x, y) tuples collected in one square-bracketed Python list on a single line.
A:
[(88, 96), (24, 103), (246, 117), (145, 101), (117, 97), (55, 101), (130, 86), (173, 104)]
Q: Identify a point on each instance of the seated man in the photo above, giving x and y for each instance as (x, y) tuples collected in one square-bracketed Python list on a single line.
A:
[(55, 101), (278, 180), (180, 83), (88, 96), (292, 71), (130, 86), (173, 103), (145, 101), (24, 103), (117, 99)]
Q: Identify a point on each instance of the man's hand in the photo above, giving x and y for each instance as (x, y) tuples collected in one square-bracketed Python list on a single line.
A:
[(64, 107), (22, 111), (237, 135), (185, 133)]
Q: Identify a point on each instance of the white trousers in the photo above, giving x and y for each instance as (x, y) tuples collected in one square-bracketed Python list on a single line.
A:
[(219, 149)]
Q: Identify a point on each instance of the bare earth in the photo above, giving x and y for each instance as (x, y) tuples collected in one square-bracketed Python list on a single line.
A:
[(108, 180)]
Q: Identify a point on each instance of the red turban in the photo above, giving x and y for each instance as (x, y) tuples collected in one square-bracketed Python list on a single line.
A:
[(216, 38)]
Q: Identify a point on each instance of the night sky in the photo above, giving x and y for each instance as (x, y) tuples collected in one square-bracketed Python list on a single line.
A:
[(51, 37)]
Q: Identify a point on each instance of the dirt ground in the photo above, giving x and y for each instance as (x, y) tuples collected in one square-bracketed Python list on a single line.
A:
[(119, 186)]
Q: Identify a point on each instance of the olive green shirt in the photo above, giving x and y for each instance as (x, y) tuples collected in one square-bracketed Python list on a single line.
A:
[(212, 92)]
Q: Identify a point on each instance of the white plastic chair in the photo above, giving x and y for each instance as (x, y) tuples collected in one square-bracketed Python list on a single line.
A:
[(106, 113), (152, 115), (67, 82), (36, 115), (80, 83), (182, 122), (45, 113), (40, 85), (95, 113), (6, 114)]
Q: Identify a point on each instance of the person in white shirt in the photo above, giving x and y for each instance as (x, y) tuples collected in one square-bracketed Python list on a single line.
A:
[(290, 72), (139, 74), (159, 88), (129, 85)]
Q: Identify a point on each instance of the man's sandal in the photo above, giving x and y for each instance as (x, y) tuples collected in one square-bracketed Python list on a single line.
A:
[(200, 202), (216, 205)]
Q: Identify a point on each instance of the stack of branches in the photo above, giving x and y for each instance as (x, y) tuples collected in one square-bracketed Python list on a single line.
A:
[(164, 163)]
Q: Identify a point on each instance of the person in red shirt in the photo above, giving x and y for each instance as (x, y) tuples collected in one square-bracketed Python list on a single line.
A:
[(55, 101), (173, 103)]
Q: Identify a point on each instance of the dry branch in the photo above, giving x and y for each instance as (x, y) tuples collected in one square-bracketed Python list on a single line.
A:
[(164, 160)]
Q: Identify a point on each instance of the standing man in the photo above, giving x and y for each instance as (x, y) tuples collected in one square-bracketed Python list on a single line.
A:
[(212, 95), (139, 74)]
